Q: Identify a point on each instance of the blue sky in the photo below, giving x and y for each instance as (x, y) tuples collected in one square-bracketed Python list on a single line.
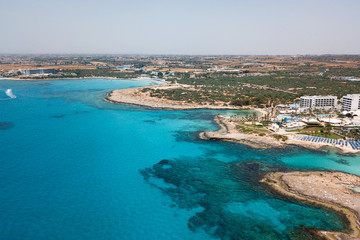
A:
[(180, 27)]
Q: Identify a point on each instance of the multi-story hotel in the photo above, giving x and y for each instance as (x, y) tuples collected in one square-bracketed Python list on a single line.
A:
[(351, 102), (324, 102), (40, 71)]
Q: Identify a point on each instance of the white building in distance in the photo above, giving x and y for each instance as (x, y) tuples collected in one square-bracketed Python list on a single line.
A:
[(124, 68), (351, 102), (319, 102), (39, 72)]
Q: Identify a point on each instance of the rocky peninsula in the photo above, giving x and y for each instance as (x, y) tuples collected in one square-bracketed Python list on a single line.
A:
[(229, 132), (336, 191), (137, 97)]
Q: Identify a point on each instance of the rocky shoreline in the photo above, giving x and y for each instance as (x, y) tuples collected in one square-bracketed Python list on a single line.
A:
[(331, 190), (135, 97)]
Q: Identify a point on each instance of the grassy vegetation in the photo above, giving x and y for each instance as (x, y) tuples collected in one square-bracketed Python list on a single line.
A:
[(199, 97), (298, 85), (339, 71), (280, 137), (252, 128), (318, 131), (260, 91), (239, 96)]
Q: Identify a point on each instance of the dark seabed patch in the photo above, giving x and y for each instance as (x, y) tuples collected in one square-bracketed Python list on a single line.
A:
[(343, 161), (6, 125), (149, 121), (69, 114), (44, 84), (186, 136), (234, 205), (190, 115)]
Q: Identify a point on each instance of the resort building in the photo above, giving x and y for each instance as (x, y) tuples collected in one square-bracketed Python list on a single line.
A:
[(41, 71), (124, 68), (351, 102), (323, 102)]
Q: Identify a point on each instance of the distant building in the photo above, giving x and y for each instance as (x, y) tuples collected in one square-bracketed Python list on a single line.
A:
[(144, 76), (40, 71), (351, 102), (313, 102), (124, 68), (346, 78)]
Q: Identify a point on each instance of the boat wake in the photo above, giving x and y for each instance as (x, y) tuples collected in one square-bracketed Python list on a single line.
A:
[(10, 94)]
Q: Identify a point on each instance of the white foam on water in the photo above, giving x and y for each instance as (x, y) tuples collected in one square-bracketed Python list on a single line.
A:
[(9, 93)]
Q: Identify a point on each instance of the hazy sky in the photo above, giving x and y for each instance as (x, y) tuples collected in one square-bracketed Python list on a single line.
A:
[(180, 26)]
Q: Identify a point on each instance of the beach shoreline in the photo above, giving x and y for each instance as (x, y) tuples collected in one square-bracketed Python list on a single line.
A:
[(267, 141), (228, 132), (329, 190), (137, 97)]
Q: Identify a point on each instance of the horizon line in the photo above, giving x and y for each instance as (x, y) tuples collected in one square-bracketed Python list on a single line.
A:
[(180, 54)]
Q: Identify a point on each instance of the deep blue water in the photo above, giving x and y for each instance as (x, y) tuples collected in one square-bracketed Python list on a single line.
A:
[(73, 166)]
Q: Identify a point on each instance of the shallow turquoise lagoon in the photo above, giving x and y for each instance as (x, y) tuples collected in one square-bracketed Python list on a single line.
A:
[(73, 166)]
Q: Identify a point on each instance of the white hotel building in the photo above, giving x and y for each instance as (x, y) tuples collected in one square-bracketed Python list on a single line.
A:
[(351, 102), (319, 102)]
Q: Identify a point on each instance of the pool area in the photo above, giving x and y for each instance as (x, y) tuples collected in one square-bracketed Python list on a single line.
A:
[(286, 118)]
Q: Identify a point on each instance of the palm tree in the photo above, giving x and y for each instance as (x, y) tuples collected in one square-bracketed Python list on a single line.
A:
[(254, 117), (327, 129)]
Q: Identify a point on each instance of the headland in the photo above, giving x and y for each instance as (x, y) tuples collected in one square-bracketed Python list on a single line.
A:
[(336, 191), (141, 97)]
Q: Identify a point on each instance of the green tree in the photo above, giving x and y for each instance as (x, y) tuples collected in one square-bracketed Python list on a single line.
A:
[(254, 117), (327, 129)]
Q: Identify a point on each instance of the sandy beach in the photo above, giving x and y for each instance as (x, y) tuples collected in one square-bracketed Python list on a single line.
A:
[(318, 145), (331, 190), (135, 96)]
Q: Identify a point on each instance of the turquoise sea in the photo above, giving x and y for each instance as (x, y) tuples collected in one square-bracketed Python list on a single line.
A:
[(73, 166)]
